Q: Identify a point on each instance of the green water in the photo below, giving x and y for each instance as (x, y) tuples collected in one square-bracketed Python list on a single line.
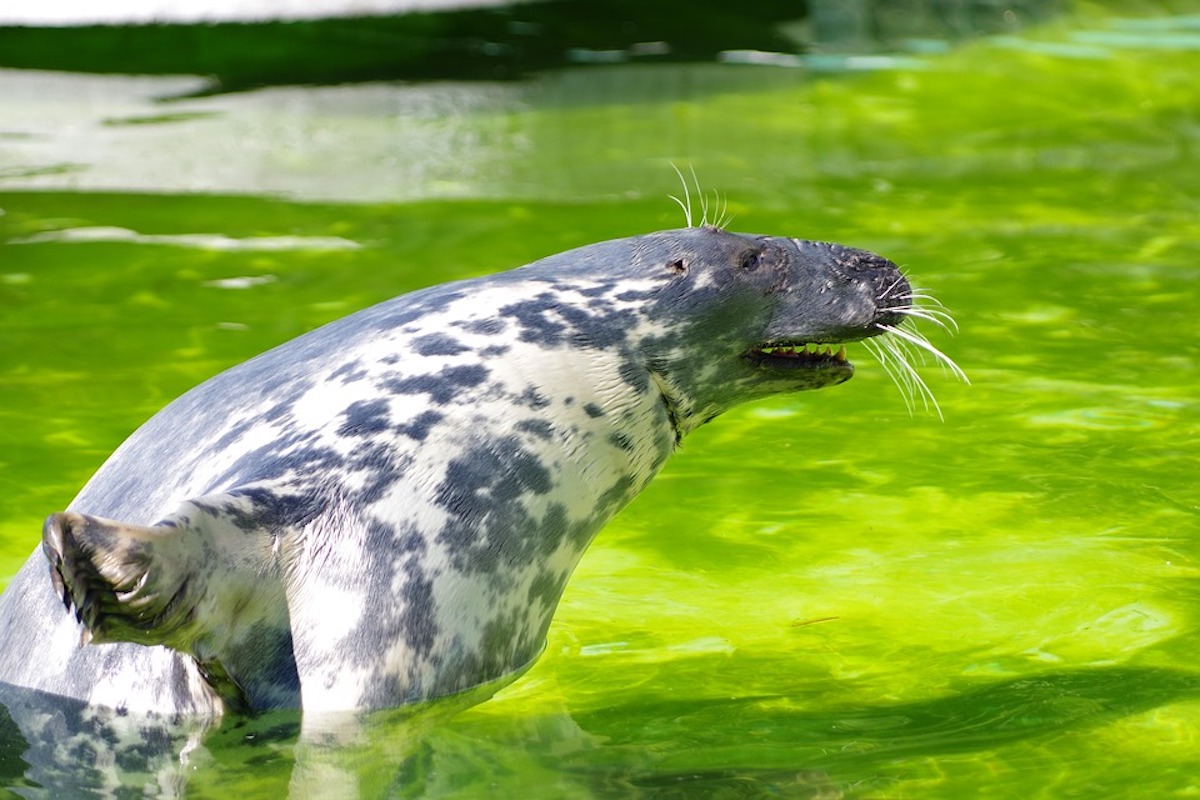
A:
[(822, 595)]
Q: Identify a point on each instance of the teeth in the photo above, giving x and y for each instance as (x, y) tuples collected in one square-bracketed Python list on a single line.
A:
[(805, 350)]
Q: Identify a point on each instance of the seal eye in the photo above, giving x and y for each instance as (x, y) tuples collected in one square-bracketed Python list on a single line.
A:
[(750, 261)]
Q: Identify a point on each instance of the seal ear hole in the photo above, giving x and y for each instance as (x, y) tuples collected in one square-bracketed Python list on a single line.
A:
[(678, 266)]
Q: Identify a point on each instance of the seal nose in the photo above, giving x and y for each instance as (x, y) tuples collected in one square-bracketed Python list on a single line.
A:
[(880, 289)]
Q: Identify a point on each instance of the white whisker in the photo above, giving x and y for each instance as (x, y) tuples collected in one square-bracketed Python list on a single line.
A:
[(901, 380), (939, 318), (724, 217), (886, 293), (914, 384), (714, 210), (920, 341), (687, 212), (686, 202), (923, 297), (945, 318), (928, 304), (901, 348)]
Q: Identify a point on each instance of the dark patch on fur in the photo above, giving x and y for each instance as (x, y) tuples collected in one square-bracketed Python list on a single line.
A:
[(504, 646), (349, 372), (621, 441), (365, 418), (384, 467), (289, 455), (548, 321), (270, 510), (236, 433), (540, 428), (483, 492), (438, 344), (421, 425), (635, 375), (442, 387), (546, 589), (536, 318), (532, 398), (417, 620), (488, 327)]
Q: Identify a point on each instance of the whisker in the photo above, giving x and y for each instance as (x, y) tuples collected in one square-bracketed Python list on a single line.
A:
[(901, 348), (906, 350), (717, 206), (700, 195), (887, 292), (901, 380), (923, 297), (721, 210), (687, 212), (917, 384), (934, 316), (686, 203), (920, 341), (906, 376), (920, 304), (940, 313), (929, 304)]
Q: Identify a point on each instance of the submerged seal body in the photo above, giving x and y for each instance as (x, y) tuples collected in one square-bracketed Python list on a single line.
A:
[(387, 509)]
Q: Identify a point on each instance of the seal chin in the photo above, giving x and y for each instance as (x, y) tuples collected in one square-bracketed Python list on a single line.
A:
[(786, 356)]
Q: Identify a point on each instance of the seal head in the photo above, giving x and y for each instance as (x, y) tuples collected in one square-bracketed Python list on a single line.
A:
[(771, 316)]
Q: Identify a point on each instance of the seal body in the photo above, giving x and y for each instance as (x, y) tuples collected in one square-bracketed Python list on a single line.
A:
[(387, 509)]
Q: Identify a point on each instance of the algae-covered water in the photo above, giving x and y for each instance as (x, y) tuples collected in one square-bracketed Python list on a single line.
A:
[(823, 595)]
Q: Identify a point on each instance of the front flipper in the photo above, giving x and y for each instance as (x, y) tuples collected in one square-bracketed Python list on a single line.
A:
[(126, 582), (208, 580)]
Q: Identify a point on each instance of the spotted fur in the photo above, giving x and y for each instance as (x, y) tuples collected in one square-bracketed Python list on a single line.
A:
[(387, 509)]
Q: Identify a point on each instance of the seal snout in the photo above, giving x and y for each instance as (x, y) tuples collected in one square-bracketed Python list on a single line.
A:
[(841, 294), (879, 278), (882, 279)]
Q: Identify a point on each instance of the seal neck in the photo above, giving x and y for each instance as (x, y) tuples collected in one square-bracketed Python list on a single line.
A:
[(682, 413)]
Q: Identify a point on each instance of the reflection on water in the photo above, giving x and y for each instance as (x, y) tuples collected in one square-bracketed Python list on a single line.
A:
[(358, 143), (141, 12), (760, 746), (366, 140), (481, 40)]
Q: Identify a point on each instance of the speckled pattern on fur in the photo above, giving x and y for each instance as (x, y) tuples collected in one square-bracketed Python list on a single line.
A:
[(387, 509)]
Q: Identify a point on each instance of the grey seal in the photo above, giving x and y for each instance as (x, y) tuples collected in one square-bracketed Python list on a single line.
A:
[(387, 509)]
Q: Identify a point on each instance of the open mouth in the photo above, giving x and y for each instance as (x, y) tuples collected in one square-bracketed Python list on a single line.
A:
[(782, 355)]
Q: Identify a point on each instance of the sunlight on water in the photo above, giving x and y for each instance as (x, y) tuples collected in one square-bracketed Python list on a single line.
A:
[(822, 595)]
